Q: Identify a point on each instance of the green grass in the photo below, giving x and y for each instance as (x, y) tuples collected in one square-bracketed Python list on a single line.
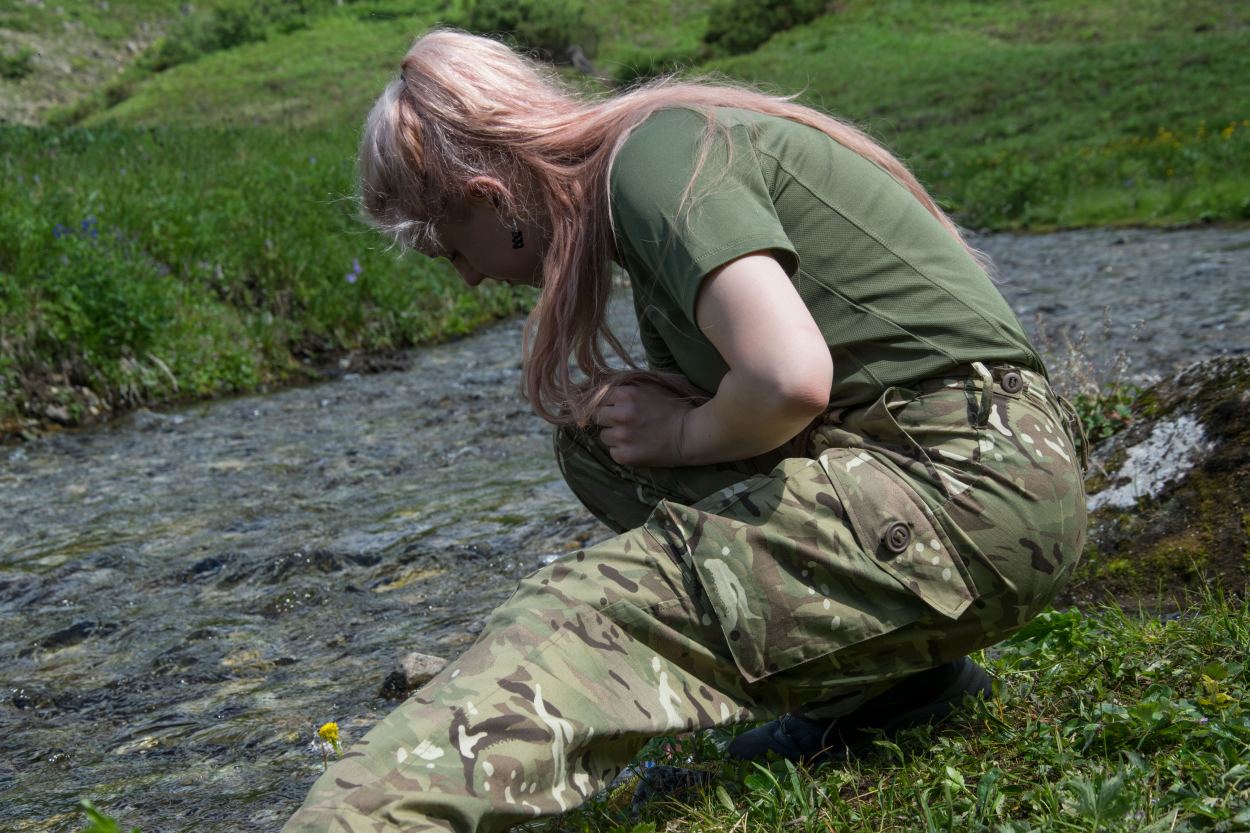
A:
[(116, 21), (1018, 115), (98, 822), (154, 265), (328, 74), (1041, 114), (1102, 722), (325, 76)]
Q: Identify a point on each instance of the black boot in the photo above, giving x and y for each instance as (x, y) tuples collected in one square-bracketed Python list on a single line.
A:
[(927, 697)]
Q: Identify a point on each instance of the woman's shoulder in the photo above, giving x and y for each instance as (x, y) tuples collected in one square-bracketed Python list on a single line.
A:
[(664, 151), (687, 125), (664, 132)]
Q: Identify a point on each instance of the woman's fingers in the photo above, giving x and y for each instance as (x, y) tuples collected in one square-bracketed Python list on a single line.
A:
[(617, 408), (639, 425)]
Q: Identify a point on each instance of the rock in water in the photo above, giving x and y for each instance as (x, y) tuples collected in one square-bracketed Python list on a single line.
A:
[(414, 671), (1169, 497)]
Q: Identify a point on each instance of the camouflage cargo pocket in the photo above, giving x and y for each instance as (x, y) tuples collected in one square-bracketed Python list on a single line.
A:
[(897, 528), (784, 572)]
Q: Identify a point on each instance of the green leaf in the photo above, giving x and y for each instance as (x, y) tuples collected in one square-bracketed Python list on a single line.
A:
[(955, 778), (757, 782), (98, 822)]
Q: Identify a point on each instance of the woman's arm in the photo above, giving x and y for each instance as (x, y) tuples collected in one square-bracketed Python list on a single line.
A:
[(780, 373)]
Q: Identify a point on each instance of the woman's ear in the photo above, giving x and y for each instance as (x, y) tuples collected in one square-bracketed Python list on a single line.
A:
[(488, 188)]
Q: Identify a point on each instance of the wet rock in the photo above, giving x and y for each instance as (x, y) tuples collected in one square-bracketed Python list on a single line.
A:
[(1169, 497), (173, 662), (59, 414), (75, 633), (205, 567), (285, 603), (60, 759), (414, 671), (29, 698), (145, 420), (299, 562)]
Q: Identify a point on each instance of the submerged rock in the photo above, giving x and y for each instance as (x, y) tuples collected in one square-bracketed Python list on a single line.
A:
[(1169, 498), (75, 633)]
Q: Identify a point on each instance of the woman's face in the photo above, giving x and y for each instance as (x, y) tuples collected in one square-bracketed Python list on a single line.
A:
[(479, 243)]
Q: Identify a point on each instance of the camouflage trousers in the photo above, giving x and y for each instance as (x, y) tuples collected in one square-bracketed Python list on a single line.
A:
[(910, 531)]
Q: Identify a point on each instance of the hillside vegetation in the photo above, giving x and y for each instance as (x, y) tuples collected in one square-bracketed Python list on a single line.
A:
[(184, 226)]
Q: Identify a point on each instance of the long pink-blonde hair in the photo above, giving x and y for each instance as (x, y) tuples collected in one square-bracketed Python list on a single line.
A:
[(466, 107)]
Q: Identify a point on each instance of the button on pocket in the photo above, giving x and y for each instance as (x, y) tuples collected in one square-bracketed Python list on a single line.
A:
[(897, 539)]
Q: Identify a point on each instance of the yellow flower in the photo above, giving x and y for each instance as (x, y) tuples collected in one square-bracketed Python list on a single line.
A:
[(1214, 697), (329, 733)]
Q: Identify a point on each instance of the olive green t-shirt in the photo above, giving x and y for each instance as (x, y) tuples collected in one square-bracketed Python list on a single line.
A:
[(896, 296)]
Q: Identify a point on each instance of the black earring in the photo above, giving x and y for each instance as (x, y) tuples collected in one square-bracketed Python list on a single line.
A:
[(518, 239)]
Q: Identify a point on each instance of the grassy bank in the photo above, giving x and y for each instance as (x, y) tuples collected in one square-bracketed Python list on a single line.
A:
[(192, 235), (154, 265)]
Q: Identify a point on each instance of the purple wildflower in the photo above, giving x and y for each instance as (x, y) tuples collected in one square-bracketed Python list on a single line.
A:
[(351, 277), (354, 275), (59, 231)]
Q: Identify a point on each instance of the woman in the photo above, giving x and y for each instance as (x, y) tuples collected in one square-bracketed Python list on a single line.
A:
[(843, 467)]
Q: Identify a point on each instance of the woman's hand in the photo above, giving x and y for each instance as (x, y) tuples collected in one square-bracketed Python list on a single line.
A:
[(780, 374), (641, 425)]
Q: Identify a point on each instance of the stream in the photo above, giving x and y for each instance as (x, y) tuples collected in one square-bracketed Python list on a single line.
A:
[(186, 595)]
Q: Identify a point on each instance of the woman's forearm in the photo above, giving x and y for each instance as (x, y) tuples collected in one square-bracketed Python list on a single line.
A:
[(746, 418)]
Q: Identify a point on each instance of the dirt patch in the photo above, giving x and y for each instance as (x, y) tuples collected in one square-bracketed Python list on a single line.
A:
[(65, 67)]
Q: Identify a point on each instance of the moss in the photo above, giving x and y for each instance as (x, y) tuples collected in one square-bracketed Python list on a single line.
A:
[(1197, 531)]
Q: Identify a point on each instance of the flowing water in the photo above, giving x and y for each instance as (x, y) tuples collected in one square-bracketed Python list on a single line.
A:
[(185, 596)]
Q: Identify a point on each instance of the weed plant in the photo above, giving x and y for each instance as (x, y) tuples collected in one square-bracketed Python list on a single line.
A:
[(15, 65), (1091, 376), (99, 822)]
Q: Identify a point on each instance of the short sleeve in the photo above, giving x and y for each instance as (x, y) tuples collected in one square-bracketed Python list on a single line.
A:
[(676, 235)]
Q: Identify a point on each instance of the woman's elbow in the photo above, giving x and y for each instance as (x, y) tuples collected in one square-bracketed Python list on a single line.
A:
[(803, 388)]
